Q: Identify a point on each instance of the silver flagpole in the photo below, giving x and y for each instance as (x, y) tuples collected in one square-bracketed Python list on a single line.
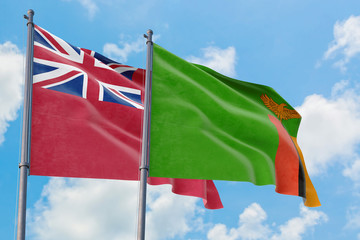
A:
[(144, 167), (25, 146)]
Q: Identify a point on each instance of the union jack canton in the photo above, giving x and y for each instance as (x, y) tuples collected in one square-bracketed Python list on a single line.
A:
[(83, 73)]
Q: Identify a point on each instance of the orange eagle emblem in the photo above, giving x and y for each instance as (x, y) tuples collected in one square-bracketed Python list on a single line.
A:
[(279, 109)]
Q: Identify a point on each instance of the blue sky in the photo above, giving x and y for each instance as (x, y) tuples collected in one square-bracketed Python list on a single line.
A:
[(308, 51)]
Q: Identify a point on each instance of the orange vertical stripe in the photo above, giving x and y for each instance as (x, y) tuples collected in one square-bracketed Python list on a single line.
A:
[(312, 199)]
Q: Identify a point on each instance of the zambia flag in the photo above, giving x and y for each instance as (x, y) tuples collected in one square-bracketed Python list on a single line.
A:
[(208, 126)]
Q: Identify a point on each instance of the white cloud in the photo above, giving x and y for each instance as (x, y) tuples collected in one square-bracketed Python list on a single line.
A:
[(76, 209), (169, 215), (252, 226), (353, 172), (11, 81), (221, 60), (298, 226), (330, 129), (112, 50), (106, 209), (251, 223), (85, 209), (353, 218), (89, 5), (346, 41)]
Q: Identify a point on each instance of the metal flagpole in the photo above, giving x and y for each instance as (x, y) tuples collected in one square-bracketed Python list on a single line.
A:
[(25, 146), (144, 167)]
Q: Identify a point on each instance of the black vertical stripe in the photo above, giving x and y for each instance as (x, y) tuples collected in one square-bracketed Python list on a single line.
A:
[(301, 180), (301, 176)]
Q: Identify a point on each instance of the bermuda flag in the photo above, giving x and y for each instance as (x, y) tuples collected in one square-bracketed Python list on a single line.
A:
[(87, 113)]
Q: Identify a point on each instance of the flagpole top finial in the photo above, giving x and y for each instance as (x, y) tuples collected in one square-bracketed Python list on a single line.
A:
[(29, 17), (149, 36), (31, 12)]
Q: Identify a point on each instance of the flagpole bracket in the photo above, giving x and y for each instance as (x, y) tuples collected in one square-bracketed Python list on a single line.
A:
[(146, 168), (24, 164)]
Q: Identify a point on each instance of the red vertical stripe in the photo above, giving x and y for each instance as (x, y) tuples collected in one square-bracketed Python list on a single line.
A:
[(286, 162)]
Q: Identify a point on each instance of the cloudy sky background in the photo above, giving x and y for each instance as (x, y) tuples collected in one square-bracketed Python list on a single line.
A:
[(309, 52)]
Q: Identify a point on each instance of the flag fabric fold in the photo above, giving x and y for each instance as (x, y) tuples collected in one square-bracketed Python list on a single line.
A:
[(87, 113), (208, 126)]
